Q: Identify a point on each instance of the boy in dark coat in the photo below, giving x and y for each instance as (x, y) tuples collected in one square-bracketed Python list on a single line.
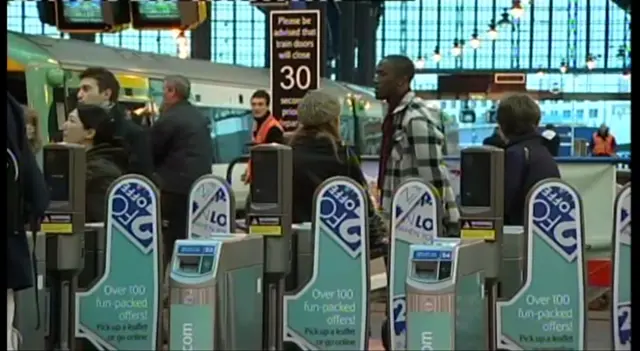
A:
[(27, 197), (527, 159)]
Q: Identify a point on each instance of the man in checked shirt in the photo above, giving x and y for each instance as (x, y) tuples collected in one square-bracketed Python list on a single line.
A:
[(412, 140)]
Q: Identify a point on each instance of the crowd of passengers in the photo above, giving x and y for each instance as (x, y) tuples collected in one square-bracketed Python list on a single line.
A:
[(176, 149)]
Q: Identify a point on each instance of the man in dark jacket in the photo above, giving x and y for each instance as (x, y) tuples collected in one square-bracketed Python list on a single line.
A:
[(27, 197), (551, 139), (527, 160), (99, 86), (182, 152), (494, 139)]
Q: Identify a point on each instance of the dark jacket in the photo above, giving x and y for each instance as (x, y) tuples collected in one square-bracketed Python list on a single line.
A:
[(314, 161), (137, 143), (105, 163), (522, 171), (494, 140), (551, 140), (34, 193), (182, 148)]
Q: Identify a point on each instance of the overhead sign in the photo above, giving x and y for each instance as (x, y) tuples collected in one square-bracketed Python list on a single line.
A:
[(121, 311), (211, 208), (331, 312), (168, 14), (414, 220), (621, 306), (295, 60), (548, 312)]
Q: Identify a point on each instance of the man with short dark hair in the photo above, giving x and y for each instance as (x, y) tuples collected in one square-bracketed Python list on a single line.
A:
[(182, 153), (603, 143), (99, 86), (551, 139), (527, 159), (266, 127), (412, 139)]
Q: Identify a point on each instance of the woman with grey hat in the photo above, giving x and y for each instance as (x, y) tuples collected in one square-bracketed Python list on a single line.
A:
[(319, 153)]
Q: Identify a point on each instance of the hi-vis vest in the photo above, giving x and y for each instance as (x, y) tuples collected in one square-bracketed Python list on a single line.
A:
[(602, 146), (261, 137)]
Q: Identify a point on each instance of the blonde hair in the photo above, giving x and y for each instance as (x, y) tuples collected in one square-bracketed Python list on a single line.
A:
[(31, 118), (321, 112)]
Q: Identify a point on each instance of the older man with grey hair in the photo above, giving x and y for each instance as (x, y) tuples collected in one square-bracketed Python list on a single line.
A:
[(182, 152)]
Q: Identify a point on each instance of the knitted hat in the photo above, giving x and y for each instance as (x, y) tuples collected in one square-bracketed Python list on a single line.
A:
[(317, 107)]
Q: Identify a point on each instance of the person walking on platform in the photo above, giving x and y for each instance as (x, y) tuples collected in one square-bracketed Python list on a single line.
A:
[(527, 159), (494, 139), (27, 197), (551, 139), (603, 143), (99, 86), (182, 153), (266, 128), (412, 139)]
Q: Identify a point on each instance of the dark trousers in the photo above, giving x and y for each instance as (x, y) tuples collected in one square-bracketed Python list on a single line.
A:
[(174, 221)]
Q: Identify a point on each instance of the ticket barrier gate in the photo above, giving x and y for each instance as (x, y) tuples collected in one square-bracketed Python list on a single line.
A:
[(446, 302), (513, 258), (64, 167), (30, 317), (215, 293), (94, 255)]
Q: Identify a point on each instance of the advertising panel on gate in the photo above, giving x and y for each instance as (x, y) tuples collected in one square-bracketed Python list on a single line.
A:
[(211, 210), (621, 306), (331, 311), (295, 60), (121, 311), (414, 221), (548, 312)]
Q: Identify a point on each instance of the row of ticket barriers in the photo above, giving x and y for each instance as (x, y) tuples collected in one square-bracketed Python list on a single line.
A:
[(306, 286)]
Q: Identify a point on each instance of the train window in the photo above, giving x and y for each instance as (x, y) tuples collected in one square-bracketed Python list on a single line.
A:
[(230, 131), (17, 86)]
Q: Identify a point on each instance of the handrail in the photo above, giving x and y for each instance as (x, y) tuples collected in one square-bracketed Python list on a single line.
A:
[(241, 159)]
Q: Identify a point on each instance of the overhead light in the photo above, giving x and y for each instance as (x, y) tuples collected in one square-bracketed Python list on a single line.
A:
[(456, 50), (540, 72), (563, 67), (436, 55), (504, 21), (517, 11), (591, 62), (420, 63), (492, 33), (474, 42)]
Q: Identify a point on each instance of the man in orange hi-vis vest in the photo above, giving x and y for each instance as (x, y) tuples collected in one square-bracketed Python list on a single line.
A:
[(603, 144), (266, 128)]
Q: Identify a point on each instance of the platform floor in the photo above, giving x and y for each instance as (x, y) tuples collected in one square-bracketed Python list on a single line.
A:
[(598, 333)]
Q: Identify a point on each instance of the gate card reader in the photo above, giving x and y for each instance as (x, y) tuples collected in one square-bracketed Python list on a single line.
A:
[(482, 212), (216, 294), (64, 170), (270, 215), (446, 307)]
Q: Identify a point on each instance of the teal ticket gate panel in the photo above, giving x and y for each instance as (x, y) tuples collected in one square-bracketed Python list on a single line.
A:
[(446, 306), (512, 261), (30, 313), (122, 310), (414, 221), (215, 293), (211, 208), (331, 311), (549, 311), (621, 306)]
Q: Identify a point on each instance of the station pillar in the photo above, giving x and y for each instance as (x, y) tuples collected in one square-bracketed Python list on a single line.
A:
[(201, 38)]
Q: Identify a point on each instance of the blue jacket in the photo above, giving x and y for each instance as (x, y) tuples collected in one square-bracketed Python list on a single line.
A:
[(523, 169), (35, 196)]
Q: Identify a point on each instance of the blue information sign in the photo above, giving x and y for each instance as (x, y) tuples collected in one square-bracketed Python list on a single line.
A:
[(331, 312), (414, 221), (621, 313), (121, 311), (548, 312), (211, 210)]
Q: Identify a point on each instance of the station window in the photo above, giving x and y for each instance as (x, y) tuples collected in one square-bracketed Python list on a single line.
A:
[(593, 113)]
